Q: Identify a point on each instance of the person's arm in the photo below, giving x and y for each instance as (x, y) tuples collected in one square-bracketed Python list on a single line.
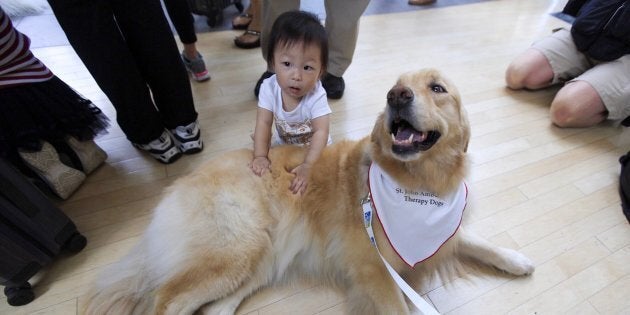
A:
[(262, 140), (321, 126), (319, 140)]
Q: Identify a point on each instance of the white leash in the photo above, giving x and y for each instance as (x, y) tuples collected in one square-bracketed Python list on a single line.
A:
[(414, 297)]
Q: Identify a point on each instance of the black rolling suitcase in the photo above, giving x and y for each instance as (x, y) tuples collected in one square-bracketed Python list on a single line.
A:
[(33, 231), (213, 9)]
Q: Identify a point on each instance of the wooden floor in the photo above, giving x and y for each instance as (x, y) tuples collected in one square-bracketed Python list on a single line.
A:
[(550, 193)]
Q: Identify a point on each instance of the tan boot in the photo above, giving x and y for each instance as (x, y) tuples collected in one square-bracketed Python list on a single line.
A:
[(61, 179), (89, 153)]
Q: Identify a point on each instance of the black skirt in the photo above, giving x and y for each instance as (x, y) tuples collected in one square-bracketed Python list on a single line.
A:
[(49, 111)]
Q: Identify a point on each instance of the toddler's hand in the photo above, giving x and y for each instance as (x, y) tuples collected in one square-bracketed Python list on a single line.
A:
[(300, 182), (260, 165)]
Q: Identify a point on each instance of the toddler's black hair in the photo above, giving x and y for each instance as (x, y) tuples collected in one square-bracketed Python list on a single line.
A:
[(298, 26)]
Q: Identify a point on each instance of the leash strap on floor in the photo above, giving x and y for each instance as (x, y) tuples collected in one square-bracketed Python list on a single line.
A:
[(413, 296)]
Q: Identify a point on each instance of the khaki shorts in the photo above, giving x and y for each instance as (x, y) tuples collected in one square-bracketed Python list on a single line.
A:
[(610, 79)]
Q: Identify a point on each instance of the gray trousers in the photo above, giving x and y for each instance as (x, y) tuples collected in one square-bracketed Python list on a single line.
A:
[(342, 26)]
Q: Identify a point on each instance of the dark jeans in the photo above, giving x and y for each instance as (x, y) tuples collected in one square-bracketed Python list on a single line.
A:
[(130, 51), (184, 22)]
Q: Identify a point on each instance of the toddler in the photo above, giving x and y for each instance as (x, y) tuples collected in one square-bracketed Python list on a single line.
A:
[(293, 97)]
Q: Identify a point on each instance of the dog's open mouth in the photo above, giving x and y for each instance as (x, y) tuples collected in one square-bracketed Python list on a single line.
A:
[(407, 139)]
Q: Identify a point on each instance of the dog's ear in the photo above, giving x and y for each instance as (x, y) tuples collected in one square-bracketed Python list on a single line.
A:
[(465, 133), (463, 116)]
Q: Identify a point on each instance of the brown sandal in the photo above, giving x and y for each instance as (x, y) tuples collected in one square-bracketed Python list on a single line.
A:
[(249, 39), (241, 22)]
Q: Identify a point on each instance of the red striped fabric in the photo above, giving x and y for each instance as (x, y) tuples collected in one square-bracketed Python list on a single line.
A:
[(17, 63)]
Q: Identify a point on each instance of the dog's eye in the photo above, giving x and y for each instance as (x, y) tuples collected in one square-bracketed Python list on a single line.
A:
[(437, 88)]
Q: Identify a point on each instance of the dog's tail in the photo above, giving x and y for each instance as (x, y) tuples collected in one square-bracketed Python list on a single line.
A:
[(122, 288)]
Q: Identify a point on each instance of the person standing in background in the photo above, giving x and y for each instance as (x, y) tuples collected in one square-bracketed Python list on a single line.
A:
[(184, 23), (130, 51), (251, 37)]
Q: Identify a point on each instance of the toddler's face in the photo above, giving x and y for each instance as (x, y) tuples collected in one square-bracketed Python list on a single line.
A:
[(297, 69)]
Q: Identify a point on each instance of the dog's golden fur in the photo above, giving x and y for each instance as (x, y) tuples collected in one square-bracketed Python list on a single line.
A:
[(222, 232)]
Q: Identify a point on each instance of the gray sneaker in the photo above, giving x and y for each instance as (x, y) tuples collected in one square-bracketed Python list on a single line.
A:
[(197, 68)]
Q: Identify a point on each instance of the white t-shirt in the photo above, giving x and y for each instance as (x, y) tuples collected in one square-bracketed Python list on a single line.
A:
[(294, 127)]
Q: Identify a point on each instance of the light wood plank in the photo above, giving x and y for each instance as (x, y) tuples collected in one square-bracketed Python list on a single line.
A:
[(550, 193)]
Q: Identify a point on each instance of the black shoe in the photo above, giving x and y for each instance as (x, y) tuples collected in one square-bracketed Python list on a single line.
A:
[(265, 75), (334, 86)]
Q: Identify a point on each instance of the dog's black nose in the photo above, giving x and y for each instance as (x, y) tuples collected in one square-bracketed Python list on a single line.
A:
[(399, 96)]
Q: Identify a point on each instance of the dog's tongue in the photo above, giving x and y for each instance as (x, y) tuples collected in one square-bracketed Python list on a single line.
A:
[(409, 135)]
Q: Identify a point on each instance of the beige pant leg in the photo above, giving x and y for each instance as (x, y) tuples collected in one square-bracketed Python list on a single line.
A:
[(342, 26), (271, 10)]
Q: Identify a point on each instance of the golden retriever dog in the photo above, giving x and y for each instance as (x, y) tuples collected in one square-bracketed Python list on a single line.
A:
[(221, 233)]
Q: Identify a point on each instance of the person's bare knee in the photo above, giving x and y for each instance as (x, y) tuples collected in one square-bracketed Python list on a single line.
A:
[(562, 112), (514, 76), (577, 104), (530, 70)]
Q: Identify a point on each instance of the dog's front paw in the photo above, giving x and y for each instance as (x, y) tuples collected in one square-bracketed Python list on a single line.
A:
[(516, 263)]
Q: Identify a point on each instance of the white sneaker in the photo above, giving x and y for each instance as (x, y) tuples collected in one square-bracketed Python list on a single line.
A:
[(162, 148), (188, 138)]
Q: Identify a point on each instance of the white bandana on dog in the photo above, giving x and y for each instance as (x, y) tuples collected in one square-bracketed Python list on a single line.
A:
[(416, 223)]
